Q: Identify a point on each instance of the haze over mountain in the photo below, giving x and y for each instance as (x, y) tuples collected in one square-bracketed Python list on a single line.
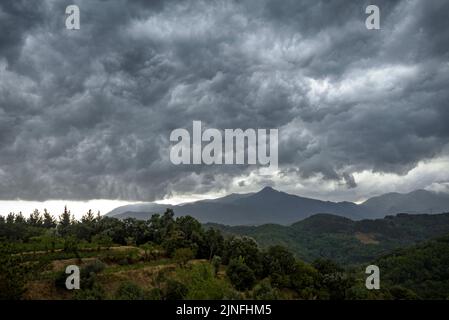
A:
[(272, 206)]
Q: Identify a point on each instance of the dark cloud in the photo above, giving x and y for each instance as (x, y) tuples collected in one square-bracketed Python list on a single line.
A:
[(87, 114)]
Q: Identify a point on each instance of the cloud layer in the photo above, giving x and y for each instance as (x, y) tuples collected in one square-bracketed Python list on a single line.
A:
[(87, 114)]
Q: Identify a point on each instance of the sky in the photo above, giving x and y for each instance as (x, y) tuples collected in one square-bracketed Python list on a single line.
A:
[(86, 115)]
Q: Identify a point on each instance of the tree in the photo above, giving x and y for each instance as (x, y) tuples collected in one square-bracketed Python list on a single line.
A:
[(20, 219), (173, 241), (49, 240), (167, 223), (35, 219), (279, 264), (246, 248), (13, 273), (71, 245), (87, 227), (305, 281), (214, 242), (192, 232), (240, 275), (65, 221), (48, 221), (183, 255), (88, 218), (333, 279), (10, 218), (264, 291), (216, 262), (102, 240)]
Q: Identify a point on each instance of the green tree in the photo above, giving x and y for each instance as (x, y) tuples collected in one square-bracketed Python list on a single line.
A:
[(214, 242), (35, 219), (264, 291), (305, 281), (216, 262), (279, 264), (246, 248), (333, 279), (102, 240), (71, 245), (48, 220), (65, 221), (183, 255), (13, 273), (20, 219), (240, 275)]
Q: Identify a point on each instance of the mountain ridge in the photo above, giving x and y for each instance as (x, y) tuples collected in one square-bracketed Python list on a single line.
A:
[(273, 206)]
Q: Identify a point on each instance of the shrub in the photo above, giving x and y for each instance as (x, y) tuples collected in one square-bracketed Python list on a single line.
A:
[(175, 290), (154, 294), (264, 291), (129, 291), (183, 255), (202, 284), (95, 292), (102, 240), (60, 280), (93, 267), (401, 293), (121, 257)]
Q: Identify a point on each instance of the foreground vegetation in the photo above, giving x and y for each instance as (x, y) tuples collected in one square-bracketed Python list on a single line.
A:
[(177, 258)]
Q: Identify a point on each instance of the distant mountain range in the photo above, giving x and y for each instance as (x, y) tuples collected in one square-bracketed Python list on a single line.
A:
[(272, 206)]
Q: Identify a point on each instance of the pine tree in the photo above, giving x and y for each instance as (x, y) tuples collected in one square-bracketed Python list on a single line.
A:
[(88, 217), (35, 218), (49, 221), (65, 221)]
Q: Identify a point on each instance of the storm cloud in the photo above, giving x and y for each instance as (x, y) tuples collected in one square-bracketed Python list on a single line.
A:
[(87, 114)]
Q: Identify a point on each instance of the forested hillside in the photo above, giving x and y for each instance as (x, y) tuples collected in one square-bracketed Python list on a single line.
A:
[(343, 240)]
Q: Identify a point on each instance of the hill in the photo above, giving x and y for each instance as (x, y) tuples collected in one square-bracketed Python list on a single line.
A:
[(423, 268), (344, 240)]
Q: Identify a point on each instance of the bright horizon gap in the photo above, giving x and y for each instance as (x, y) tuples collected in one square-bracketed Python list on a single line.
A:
[(56, 207), (79, 207)]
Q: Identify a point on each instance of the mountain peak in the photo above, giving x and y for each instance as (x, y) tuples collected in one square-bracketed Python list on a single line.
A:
[(267, 189)]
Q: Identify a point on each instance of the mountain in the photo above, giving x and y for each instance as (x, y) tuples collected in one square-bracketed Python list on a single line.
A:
[(344, 240), (419, 201), (140, 208), (265, 206), (272, 206)]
